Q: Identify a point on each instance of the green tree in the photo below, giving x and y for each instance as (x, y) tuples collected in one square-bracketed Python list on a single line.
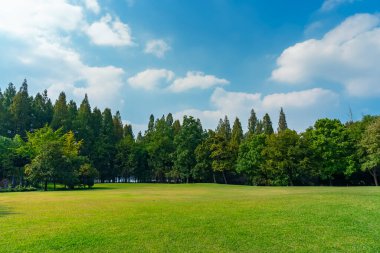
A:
[(282, 125), (252, 123), (186, 141), (251, 159), (60, 114), (332, 147), (370, 149), (21, 110), (267, 124)]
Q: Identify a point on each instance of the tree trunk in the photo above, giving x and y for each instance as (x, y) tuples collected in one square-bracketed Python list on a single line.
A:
[(187, 180), (54, 185), (213, 175), (46, 184), (374, 174), (224, 177)]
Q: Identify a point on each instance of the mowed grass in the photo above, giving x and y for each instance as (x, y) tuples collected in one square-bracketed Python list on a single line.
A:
[(192, 218)]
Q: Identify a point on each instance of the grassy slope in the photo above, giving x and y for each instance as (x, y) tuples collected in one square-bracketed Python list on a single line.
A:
[(192, 218)]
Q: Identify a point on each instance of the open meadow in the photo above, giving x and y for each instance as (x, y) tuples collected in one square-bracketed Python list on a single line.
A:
[(192, 218)]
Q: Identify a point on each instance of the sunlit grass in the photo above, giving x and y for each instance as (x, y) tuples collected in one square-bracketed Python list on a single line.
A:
[(191, 218)]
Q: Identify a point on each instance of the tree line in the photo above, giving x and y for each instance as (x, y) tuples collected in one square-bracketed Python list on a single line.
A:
[(43, 143)]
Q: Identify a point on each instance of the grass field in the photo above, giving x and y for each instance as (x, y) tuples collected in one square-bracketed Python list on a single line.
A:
[(192, 218)]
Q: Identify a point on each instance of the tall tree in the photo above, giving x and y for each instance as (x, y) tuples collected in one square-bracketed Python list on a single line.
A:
[(118, 126), (186, 141), (21, 110), (60, 114), (83, 125), (282, 125), (267, 124), (252, 123)]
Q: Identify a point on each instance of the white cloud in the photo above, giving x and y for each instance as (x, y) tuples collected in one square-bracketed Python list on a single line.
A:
[(42, 31), (194, 80), (151, 78), (301, 107), (157, 47), (109, 32), (348, 55), (93, 6), (329, 5), (38, 17)]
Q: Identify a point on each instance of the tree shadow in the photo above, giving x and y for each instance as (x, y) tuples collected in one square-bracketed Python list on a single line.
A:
[(4, 211)]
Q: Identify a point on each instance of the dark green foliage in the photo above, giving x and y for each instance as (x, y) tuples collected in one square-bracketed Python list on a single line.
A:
[(267, 124), (186, 141), (60, 114), (282, 125), (252, 123)]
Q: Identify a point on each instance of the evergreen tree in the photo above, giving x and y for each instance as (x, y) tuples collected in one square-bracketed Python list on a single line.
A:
[(151, 123), (21, 110), (42, 109), (252, 123), (169, 119), (128, 131), (176, 127), (60, 114), (259, 127), (83, 126), (282, 125), (72, 112), (118, 127), (237, 134), (267, 124)]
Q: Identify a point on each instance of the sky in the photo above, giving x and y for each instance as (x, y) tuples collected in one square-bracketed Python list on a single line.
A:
[(205, 58)]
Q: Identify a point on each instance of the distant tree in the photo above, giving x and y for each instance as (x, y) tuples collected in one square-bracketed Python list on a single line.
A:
[(60, 114), (42, 110), (151, 123), (282, 125), (128, 131), (176, 127), (169, 119), (251, 159), (186, 141), (118, 127), (252, 123), (267, 124), (331, 146), (236, 139), (88, 174), (21, 110), (259, 127), (83, 126), (203, 168), (370, 149)]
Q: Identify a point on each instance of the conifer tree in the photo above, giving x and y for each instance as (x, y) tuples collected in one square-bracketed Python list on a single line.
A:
[(118, 126), (60, 114), (21, 110), (282, 125), (267, 124), (252, 123), (237, 133)]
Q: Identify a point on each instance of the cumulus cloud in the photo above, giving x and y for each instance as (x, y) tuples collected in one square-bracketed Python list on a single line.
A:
[(157, 48), (348, 55), (194, 79), (301, 107), (38, 17), (150, 79), (110, 32), (329, 5), (42, 31), (93, 6)]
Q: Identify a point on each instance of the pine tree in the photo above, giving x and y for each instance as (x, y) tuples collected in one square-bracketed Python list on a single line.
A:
[(252, 123), (267, 124), (151, 123), (224, 129), (237, 133), (282, 125), (82, 125), (118, 126), (60, 114), (128, 132), (21, 110), (72, 111), (176, 127), (169, 119)]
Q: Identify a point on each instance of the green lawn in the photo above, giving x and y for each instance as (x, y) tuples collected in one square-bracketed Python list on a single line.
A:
[(192, 218)]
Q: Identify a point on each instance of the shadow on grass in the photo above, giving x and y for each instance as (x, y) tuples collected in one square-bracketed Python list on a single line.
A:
[(5, 211)]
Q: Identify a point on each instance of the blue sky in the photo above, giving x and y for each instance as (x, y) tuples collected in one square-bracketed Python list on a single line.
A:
[(205, 58)]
